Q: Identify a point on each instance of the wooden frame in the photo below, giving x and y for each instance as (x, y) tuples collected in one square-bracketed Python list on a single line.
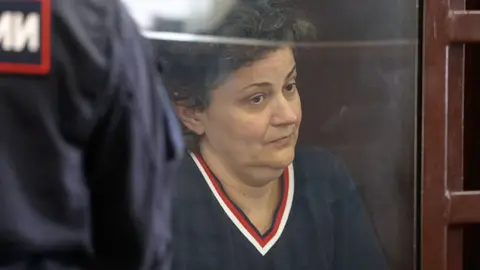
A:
[(446, 206)]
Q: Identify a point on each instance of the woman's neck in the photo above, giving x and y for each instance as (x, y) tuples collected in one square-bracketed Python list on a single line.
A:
[(250, 194)]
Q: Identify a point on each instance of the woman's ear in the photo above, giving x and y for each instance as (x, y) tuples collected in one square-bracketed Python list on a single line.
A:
[(191, 118)]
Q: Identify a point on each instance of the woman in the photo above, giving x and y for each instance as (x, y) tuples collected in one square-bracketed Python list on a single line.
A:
[(247, 197)]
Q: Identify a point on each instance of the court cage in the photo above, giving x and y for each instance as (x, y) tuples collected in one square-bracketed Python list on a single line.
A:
[(389, 87)]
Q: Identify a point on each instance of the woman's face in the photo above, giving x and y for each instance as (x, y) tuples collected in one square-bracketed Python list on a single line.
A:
[(254, 116)]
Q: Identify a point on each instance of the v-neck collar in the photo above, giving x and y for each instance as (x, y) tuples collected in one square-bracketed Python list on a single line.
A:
[(263, 243)]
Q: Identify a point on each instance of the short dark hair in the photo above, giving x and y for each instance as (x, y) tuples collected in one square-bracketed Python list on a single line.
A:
[(191, 70)]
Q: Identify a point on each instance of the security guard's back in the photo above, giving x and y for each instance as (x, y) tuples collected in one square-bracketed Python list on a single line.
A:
[(88, 141)]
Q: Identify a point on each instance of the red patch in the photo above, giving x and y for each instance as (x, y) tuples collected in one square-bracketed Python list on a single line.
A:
[(25, 36)]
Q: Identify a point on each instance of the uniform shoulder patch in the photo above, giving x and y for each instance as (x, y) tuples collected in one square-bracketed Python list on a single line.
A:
[(25, 36)]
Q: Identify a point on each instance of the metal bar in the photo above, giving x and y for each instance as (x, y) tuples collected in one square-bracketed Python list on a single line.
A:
[(196, 38)]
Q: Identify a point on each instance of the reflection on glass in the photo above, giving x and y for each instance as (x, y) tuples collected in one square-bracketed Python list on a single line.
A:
[(179, 15), (248, 197)]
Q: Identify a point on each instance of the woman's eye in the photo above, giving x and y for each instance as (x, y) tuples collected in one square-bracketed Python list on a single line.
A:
[(291, 87), (257, 99)]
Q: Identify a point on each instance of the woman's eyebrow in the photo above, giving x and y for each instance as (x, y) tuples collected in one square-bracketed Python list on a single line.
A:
[(259, 84), (290, 73), (264, 84)]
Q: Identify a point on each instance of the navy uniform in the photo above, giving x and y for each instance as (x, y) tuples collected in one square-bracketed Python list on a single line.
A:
[(319, 224), (88, 141)]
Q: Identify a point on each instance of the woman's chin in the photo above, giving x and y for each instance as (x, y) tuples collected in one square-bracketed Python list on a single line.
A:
[(282, 158)]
